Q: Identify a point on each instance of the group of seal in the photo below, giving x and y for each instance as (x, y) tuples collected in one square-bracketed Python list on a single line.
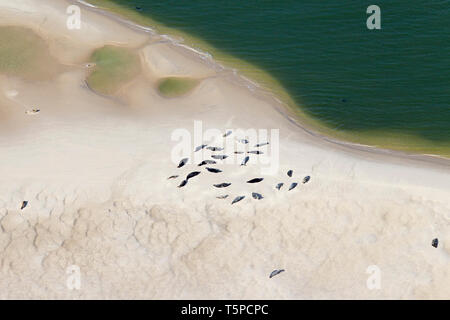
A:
[(245, 160)]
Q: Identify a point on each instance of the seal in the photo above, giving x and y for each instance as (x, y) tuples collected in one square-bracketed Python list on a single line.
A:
[(219, 157), (206, 162), (200, 147), (261, 144), (244, 162), (257, 196), (275, 272), (192, 174), (279, 185), (182, 162), (215, 148), (222, 185), (24, 204), (182, 184), (292, 186), (226, 134), (289, 173), (213, 170), (237, 199), (255, 180), (306, 179)]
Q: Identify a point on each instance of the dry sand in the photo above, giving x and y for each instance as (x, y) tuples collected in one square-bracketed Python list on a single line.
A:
[(94, 172)]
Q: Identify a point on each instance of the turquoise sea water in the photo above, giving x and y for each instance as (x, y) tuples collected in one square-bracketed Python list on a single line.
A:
[(395, 79)]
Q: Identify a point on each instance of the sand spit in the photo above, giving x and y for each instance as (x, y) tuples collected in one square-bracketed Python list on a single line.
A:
[(94, 171)]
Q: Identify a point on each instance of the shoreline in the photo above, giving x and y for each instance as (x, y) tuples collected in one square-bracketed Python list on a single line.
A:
[(278, 105)]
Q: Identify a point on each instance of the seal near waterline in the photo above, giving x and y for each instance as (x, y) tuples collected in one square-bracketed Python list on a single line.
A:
[(275, 272), (213, 170), (222, 185), (289, 173), (206, 162), (183, 162), (278, 186), (292, 186), (255, 180), (306, 179), (244, 162), (237, 199), (192, 174), (257, 196)]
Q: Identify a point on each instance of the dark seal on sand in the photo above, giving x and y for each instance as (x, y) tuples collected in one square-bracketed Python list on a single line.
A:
[(192, 174), (182, 162), (435, 242), (255, 180), (292, 186), (275, 272), (237, 199), (24, 204), (222, 185)]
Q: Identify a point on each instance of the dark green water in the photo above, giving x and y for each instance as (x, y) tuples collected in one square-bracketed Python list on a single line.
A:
[(391, 80)]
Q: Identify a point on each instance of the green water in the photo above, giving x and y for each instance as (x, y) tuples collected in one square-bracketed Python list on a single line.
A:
[(387, 87)]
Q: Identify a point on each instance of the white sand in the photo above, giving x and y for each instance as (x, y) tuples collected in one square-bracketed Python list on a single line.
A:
[(94, 171)]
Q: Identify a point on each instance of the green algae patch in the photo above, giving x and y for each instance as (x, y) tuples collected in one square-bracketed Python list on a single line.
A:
[(25, 54), (114, 67), (176, 86)]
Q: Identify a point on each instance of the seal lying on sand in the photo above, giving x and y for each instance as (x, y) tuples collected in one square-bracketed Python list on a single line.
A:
[(435, 242), (226, 134), (219, 157), (275, 272), (182, 184), (244, 162), (215, 148), (289, 173), (200, 147), (222, 185), (237, 199), (261, 144), (255, 180), (292, 186), (206, 162), (257, 196), (279, 185), (182, 162), (24, 204), (255, 152), (192, 174), (222, 197), (32, 111), (213, 170), (172, 177), (306, 179)]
